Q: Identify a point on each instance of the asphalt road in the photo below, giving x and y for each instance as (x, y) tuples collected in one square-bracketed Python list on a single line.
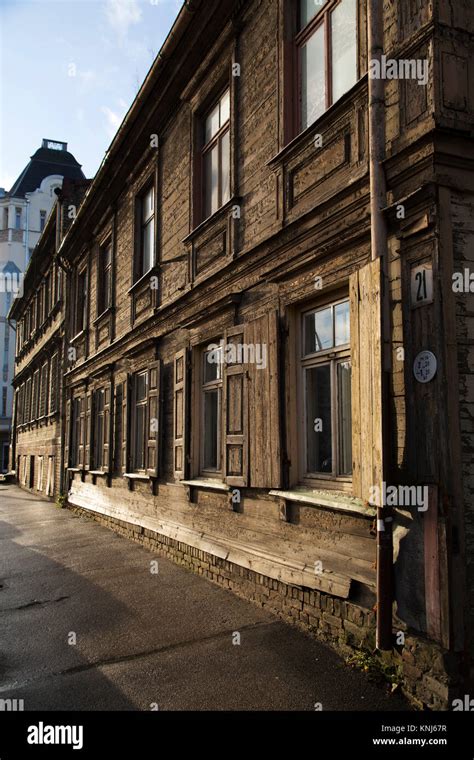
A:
[(86, 625)]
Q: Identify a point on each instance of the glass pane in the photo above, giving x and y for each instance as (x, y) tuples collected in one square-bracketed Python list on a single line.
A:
[(139, 437), (225, 158), (212, 124), (107, 256), (344, 47), (225, 108), (211, 180), (308, 10), (99, 441), (344, 417), (147, 205), (99, 400), (342, 323), (318, 331), (211, 427), (148, 234), (141, 384), (106, 289), (318, 419), (212, 365), (313, 78)]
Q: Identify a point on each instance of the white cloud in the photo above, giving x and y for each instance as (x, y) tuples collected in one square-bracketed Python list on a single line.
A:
[(121, 14)]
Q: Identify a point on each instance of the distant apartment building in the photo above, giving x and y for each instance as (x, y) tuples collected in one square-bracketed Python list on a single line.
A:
[(24, 210)]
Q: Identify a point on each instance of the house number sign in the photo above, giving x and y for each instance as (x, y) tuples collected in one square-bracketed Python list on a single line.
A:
[(425, 366), (421, 282)]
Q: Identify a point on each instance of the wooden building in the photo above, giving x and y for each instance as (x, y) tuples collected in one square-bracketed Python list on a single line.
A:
[(269, 372), (37, 443)]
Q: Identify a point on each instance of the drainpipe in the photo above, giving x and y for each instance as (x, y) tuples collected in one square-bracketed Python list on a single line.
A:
[(379, 249)]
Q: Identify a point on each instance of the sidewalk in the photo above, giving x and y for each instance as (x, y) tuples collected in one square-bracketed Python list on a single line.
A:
[(165, 639)]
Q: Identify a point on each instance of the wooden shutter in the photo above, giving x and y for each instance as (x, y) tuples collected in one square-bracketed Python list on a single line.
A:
[(153, 420), (235, 408), (127, 386), (108, 429), (67, 434), (89, 431), (366, 360), (83, 443), (264, 402), (180, 414), (53, 385)]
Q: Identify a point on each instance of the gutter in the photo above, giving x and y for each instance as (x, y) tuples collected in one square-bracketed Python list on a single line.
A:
[(379, 249)]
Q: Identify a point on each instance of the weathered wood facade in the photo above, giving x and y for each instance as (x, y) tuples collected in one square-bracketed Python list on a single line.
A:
[(215, 461)]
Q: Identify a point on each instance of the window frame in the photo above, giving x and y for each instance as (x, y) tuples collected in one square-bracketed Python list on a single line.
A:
[(204, 387), (83, 303), (207, 147), (104, 270), (138, 273), (332, 356), (76, 432), (98, 441), (134, 404), (291, 79)]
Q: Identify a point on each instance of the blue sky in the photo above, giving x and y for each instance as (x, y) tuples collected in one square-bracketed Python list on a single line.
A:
[(69, 70)]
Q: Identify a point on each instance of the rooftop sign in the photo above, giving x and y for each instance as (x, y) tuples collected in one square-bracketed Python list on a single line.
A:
[(54, 144)]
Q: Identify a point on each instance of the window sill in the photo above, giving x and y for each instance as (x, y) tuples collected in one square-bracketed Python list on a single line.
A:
[(142, 280), (98, 472), (74, 469), (214, 485), (317, 127), (337, 501), (106, 313), (133, 475), (78, 336), (210, 220)]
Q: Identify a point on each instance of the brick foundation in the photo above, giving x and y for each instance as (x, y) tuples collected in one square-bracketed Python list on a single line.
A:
[(422, 665)]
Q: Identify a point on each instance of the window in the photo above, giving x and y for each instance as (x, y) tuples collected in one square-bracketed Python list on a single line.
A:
[(42, 220), (18, 218), (326, 391), (99, 427), (28, 400), (39, 307), (216, 156), (43, 400), (53, 385), (105, 278), (211, 410), (143, 421), (326, 44), (47, 295), (35, 396), (145, 258), (39, 482), (4, 401), (139, 420), (76, 432), (5, 219), (80, 316)]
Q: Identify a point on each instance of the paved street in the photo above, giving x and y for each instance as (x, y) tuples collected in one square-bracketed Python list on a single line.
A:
[(144, 638)]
